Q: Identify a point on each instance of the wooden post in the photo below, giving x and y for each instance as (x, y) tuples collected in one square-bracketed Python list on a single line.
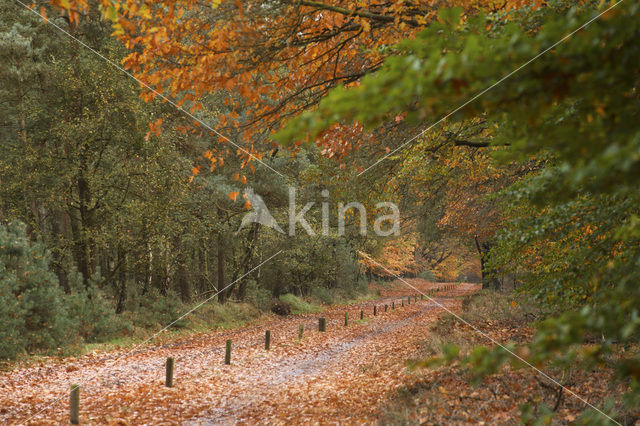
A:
[(421, 296), (403, 303), (227, 354), (393, 304), (415, 298), (300, 331), (74, 405), (267, 339), (322, 325), (346, 319), (361, 314), (385, 307), (375, 310), (168, 381), (408, 300)]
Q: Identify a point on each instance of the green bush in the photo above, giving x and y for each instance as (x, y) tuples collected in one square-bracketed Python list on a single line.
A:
[(155, 310), (229, 315), (322, 294), (258, 296), (427, 275), (299, 306), (93, 317), (31, 301)]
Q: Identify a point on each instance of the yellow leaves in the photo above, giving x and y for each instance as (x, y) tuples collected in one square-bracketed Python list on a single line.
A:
[(215, 3), (421, 20), (145, 12), (112, 15)]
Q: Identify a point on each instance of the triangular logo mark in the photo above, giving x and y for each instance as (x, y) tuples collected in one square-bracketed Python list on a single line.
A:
[(259, 212)]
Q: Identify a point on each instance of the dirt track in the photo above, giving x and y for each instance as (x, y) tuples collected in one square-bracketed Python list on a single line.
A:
[(343, 375)]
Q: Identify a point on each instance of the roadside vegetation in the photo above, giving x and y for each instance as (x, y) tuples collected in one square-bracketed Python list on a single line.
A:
[(443, 389)]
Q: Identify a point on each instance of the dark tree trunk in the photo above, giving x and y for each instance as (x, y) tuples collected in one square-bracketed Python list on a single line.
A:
[(182, 277), (222, 292), (58, 230), (246, 261), (122, 282), (81, 224), (489, 277)]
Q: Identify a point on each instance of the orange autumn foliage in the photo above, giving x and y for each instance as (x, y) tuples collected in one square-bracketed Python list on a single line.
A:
[(398, 257), (269, 61)]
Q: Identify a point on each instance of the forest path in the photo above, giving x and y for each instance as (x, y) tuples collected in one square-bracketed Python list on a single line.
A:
[(343, 375)]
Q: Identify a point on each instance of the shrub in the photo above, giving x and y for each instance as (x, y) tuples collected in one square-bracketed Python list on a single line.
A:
[(31, 301), (258, 296), (427, 275), (94, 318), (299, 306), (224, 316), (156, 310), (322, 294)]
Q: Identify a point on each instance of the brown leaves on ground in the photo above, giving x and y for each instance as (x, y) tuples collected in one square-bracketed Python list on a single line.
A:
[(445, 396), (343, 375), (346, 375)]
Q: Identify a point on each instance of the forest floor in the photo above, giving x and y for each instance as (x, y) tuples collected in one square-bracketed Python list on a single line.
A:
[(347, 375), (343, 375)]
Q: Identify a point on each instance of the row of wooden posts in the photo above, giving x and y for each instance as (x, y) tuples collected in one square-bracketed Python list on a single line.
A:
[(74, 400)]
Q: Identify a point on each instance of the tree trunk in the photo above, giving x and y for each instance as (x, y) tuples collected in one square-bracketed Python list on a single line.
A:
[(122, 281), (222, 295), (489, 276), (252, 238), (182, 277)]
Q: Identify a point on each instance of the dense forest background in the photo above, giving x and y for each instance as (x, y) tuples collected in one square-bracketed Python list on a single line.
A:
[(120, 209)]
